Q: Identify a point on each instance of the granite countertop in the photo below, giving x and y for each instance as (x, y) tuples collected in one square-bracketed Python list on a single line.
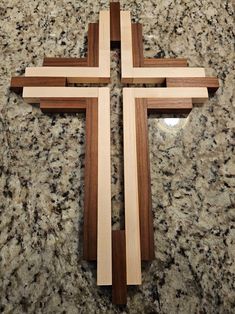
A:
[(42, 167)]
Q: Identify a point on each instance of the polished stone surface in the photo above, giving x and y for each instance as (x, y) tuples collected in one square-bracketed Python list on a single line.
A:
[(192, 167)]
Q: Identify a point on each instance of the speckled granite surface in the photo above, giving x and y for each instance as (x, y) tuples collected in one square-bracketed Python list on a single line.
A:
[(42, 168)]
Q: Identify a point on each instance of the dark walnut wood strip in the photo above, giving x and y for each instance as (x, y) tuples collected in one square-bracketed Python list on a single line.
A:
[(212, 83), (91, 181), (64, 62), (164, 62), (144, 182), (17, 83), (138, 53), (93, 45), (169, 105), (119, 281), (137, 45), (115, 29), (63, 106)]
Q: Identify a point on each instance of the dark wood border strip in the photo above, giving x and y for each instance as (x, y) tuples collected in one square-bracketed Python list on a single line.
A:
[(90, 107), (212, 83), (143, 107), (93, 45), (119, 282), (18, 82), (63, 106), (92, 59), (169, 105), (144, 182), (115, 28), (138, 53), (64, 62), (91, 181), (137, 44)]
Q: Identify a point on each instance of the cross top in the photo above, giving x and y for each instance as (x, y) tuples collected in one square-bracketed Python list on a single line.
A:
[(118, 253)]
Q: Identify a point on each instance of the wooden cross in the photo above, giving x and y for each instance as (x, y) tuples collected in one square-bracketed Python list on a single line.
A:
[(118, 253)]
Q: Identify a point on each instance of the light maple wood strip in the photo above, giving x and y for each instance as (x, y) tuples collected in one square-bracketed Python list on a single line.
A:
[(212, 83), (104, 238), (126, 46), (197, 94), (34, 94), (132, 226), (158, 75), (91, 182), (104, 44)]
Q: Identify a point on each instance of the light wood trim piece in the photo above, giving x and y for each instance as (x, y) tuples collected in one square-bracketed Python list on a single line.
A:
[(104, 44), (34, 94), (132, 226), (126, 45), (104, 238), (100, 74), (197, 94), (158, 75)]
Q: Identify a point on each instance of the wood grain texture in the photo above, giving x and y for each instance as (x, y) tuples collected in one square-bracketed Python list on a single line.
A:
[(137, 45), (212, 83), (91, 182), (115, 32), (64, 62), (164, 62), (198, 94), (104, 241), (63, 106), (17, 83), (126, 47), (132, 224), (34, 94), (169, 105), (93, 45), (144, 182), (119, 288)]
